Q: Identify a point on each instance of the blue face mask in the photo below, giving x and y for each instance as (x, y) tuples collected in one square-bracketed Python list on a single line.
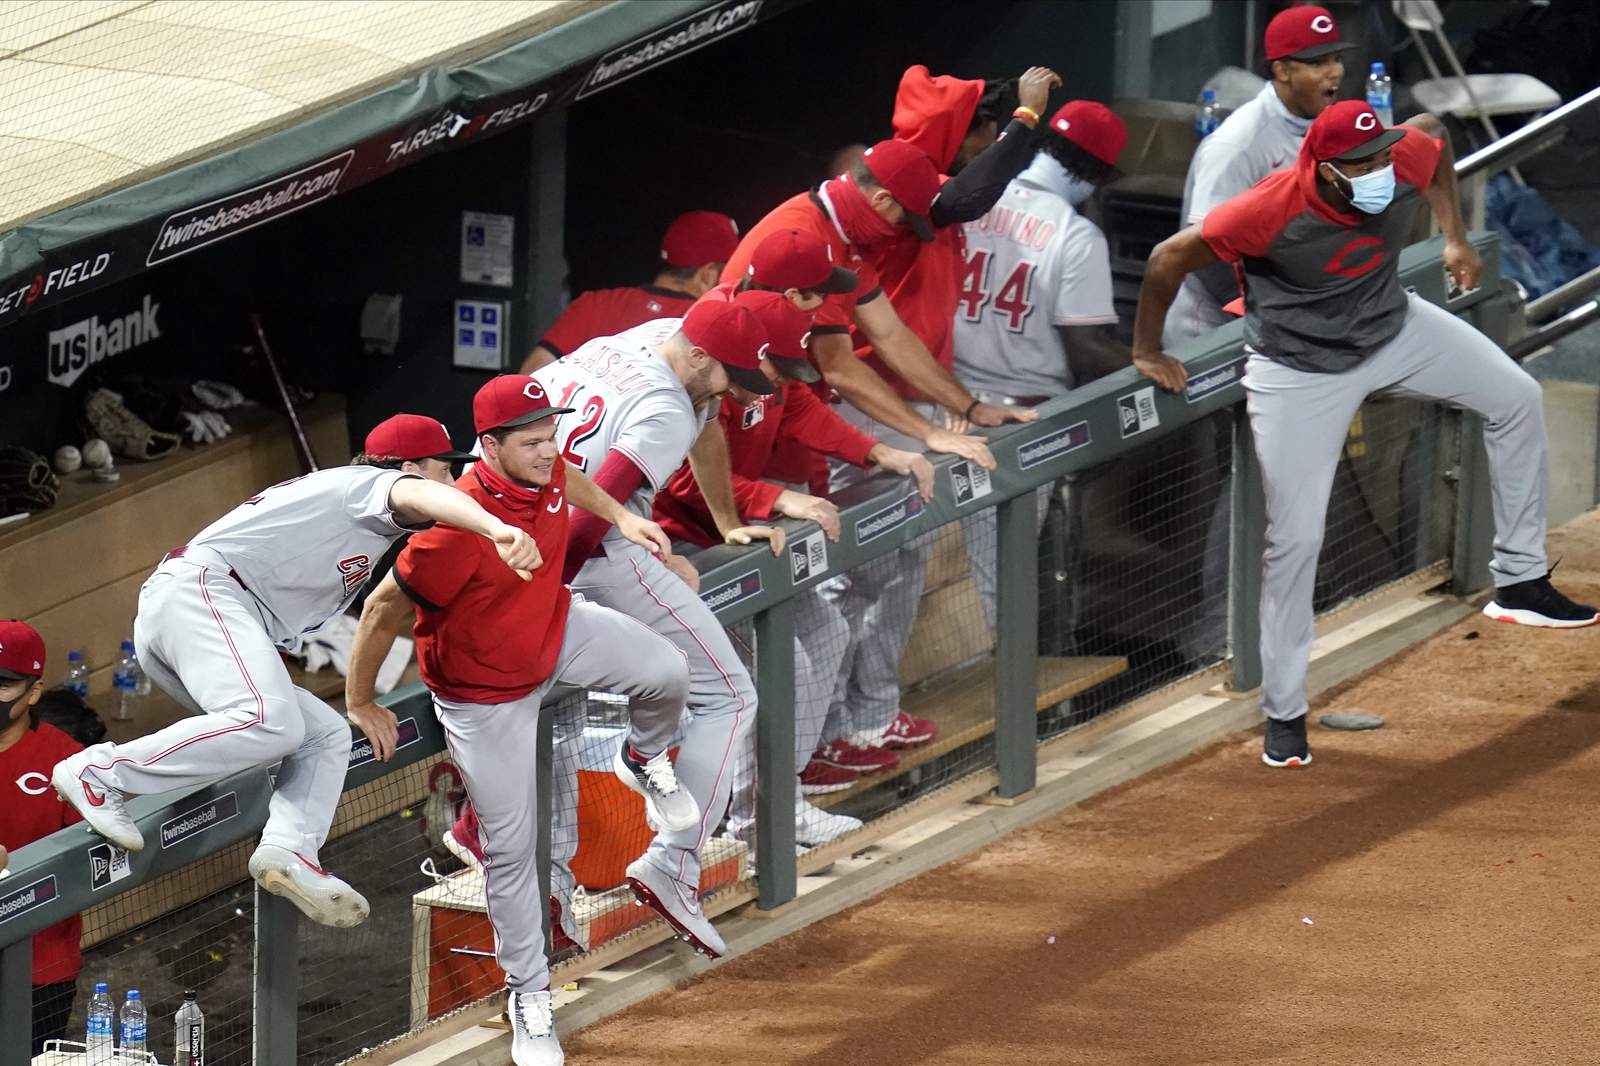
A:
[(1370, 193), (1078, 190)]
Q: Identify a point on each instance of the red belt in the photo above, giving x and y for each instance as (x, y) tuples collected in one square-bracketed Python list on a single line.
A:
[(180, 550)]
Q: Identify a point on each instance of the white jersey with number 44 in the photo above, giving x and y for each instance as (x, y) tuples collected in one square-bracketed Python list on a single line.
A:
[(1033, 263), (625, 398)]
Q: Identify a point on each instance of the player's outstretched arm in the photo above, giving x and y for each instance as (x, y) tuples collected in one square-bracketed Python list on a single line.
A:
[(1179, 255), (386, 614), (713, 473), (416, 500), (1444, 199), (585, 495)]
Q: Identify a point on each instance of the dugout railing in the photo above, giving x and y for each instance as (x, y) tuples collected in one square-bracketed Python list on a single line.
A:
[(1445, 496)]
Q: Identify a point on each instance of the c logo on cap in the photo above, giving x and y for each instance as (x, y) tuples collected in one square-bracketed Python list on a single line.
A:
[(1366, 121), (532, 391), (1322, 24)]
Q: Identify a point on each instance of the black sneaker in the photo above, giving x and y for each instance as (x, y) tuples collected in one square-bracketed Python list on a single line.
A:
[(1286, 743), (1537, 603)]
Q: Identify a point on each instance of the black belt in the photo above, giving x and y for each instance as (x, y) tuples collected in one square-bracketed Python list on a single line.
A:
[(179, 552)]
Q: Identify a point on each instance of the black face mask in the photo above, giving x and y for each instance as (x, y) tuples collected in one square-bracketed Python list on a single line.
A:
[(7, 705)]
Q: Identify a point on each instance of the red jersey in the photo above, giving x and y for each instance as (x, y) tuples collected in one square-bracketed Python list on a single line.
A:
[(793, 413), (30, 810), (805, 212), (484, 635), (607, 312)]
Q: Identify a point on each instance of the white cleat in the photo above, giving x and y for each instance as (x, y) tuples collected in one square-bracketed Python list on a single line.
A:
[(663, 894), (102, 808), (324, 898), (814, 826), (460, 851), (533, 1030), (668, 804)]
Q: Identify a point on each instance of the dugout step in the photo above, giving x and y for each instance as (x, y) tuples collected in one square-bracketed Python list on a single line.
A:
[(962, 703)]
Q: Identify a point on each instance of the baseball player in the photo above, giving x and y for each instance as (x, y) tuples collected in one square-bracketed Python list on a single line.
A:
[(412, 444), (1327, 324), (211, 621), (490, 646), (821, 634), (693, 251), (1036, 311), (29, 750)]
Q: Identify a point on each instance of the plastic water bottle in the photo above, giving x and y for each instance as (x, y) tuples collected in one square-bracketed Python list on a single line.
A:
[(141, 680), (1380, 94), (189, 1044), (125, 684), (98, 1039), (135, 1023), (1205, 116), (77, 675)]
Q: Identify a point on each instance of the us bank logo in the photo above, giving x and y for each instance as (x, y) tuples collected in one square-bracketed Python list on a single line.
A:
[(75, 348)]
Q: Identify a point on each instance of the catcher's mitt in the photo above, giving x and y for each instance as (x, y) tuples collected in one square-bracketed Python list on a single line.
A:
[(129, 435), (26, 481)]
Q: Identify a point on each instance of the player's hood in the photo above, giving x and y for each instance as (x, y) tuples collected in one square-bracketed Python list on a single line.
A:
[(934, 113)]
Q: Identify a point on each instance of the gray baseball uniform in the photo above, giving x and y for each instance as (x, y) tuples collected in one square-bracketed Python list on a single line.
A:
[(209, 627), (1328, 324), (1260, 138), (629, 400)]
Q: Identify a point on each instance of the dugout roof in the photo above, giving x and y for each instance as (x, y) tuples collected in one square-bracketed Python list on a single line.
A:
[(135, 131)]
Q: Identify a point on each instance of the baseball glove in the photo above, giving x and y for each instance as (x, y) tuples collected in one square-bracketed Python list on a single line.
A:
[(129, 435), (26, 481)]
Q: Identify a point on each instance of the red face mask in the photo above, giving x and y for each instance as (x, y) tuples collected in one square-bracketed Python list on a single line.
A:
[(863, 227)]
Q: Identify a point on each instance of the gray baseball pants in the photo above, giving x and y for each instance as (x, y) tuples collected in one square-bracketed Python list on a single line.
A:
[(495, 745), (1299, 421)]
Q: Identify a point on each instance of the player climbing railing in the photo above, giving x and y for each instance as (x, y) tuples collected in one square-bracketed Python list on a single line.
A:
[(1093, 439)]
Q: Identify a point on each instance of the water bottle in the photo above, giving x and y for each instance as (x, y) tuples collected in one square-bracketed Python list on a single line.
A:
[(141, 680), (125, 684), (77, 675), (134, 1023), (1380, 94), (1205, 116), (98, 1038), (189, 1045)]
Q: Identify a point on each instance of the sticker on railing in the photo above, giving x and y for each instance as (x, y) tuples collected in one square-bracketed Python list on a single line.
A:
[(361, 747), (199, 818), (894, 516), (969, 481), (22, 900), (1051, 445), (1210, 382), (1137, 411), (108, 864), (729, 593), (808, 557)]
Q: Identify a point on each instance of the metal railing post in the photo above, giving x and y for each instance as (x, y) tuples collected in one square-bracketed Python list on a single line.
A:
[(277, 980), (1474, 537), (775, 768), (1016, 652), (1246, 542), (16, 993)]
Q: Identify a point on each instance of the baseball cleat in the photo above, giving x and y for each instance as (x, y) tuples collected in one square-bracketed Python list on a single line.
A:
[(1286, 743), (908, 731), (663, 894), (820, 778), (466, 853), (533, 1029), (814, 826), (667, 804), (102, 808), (1537, 603), (846, 754), (323, 898)]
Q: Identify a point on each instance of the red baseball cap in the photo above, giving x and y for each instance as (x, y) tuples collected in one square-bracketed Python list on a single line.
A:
[(21, 651), (795, 259), (911, 178), (732, 335), (1349, 129), (1305, 32), (511, 400), (1092, 126), (696, 238), (788, 332), (413, 437)]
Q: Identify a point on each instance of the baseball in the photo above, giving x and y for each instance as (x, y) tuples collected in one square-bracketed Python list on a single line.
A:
[(96, 454), (67, 459)]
